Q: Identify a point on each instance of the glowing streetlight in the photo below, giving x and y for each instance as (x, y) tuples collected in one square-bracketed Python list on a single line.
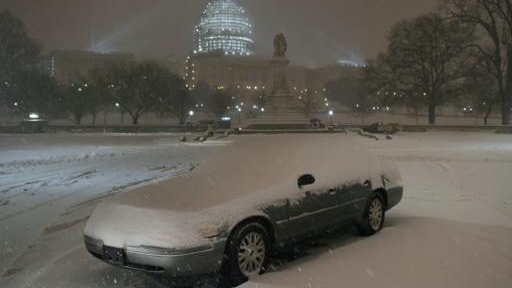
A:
[(239, 116), (33, 116)]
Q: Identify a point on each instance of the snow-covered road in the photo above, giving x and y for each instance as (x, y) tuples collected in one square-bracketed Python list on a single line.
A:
[(453, 228), (51, 183)]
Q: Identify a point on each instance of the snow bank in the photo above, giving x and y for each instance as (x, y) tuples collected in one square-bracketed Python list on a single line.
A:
[(408, 252)]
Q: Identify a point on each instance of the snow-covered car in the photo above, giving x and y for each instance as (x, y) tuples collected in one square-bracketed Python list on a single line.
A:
[(255, 195)]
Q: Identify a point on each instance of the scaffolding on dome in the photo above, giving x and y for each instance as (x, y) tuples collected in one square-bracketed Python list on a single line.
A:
[(224, 26)]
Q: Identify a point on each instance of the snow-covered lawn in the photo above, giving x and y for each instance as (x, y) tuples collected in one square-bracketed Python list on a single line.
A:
[(453, 228)]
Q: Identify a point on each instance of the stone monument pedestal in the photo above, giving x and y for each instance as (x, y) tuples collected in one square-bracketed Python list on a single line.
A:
[(280, 111)]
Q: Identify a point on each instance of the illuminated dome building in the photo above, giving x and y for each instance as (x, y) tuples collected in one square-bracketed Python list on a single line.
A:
[(224, 26), (224, 57)]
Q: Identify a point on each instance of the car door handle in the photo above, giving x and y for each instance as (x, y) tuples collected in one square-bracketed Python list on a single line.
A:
[(332, 191)]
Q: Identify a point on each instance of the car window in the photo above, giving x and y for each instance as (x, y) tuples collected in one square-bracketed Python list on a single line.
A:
[(306, 180)]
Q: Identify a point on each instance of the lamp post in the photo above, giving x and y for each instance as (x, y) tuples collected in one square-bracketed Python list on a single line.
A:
[(188, 121), (331, 114), (122, 113), (191, 114), (239, 116)]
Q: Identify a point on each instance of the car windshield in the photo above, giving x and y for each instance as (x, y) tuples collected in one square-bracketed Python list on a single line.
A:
[(242, 143)]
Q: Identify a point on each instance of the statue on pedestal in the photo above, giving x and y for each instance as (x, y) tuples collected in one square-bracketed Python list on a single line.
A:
[(280, 110), (280, 45), (280, 72)]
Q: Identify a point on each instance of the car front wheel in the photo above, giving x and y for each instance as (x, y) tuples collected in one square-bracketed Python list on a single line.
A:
[(247, 253), (373, 218)]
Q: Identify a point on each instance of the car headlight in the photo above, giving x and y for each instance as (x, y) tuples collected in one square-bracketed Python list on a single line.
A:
[(209, 232)]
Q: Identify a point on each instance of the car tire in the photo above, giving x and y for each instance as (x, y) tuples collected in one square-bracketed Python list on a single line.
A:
[(247, 254), (373, 217)]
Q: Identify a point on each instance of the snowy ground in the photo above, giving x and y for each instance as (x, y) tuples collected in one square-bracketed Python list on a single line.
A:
[(453, 228)]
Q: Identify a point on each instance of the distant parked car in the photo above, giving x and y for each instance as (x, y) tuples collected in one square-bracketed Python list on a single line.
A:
[(228, 214), (34, 123), (206, 122), (317, 123), (381, 128)]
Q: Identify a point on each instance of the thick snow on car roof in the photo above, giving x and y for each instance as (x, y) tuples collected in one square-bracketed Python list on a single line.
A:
[(251, 165)]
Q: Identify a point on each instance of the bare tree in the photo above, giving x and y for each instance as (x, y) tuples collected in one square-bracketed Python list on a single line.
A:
[(343, 90), (19, 57), (494, 20), (426, 60), (101, 95), (141, 88), (174, 98), (36, 92), (480, 91), (309, 103), (219, 101), (77, 101), (353, 92)]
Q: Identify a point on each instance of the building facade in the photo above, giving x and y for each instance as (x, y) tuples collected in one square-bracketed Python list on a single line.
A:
[(255, 74), (224, 56), (68, 66)]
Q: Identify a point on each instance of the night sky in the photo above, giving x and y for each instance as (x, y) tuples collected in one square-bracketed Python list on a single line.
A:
[(319, 32)]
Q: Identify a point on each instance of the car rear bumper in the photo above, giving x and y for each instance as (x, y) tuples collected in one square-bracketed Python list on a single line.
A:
[(394, 196), (182, 263)]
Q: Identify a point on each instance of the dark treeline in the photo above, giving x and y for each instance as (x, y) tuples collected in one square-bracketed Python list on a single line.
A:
[(460, 54), (134, 89)]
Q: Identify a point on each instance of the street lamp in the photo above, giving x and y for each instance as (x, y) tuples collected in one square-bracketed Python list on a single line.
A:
[(331, 114), (122, 112), (239, 116), (190, 116)]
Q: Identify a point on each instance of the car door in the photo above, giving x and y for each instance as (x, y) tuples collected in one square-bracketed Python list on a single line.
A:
[(314, 206), (353, 197)]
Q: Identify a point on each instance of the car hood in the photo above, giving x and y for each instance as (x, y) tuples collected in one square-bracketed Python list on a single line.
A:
[(120, 225)]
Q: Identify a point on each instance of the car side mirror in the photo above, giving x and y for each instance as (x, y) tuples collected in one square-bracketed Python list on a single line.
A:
[(305, 180)]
